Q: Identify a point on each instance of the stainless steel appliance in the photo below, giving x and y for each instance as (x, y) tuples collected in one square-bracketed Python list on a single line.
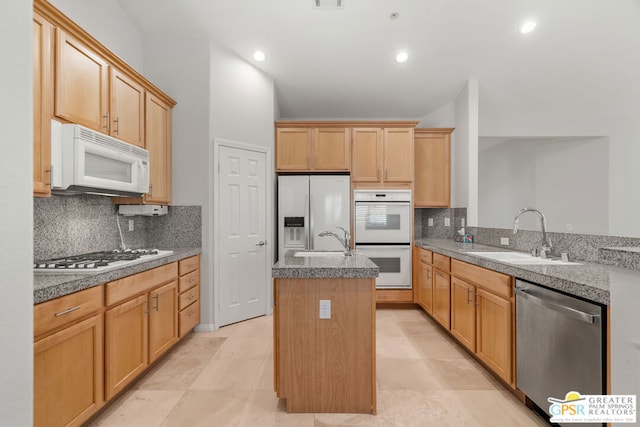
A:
[(97, 262), (559, 345), (383, 233), (309, 205)]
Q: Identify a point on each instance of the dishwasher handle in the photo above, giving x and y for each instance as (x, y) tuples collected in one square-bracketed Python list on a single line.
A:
[(567, 311)]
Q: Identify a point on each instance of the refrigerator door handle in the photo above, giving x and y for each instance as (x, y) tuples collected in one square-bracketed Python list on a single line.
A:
[(311, 220), (306, 222)]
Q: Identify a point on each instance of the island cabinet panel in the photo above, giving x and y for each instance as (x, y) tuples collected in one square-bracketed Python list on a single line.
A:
[(326, 365)]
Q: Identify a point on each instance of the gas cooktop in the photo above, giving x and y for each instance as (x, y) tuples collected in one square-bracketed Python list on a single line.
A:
[(97, 262)]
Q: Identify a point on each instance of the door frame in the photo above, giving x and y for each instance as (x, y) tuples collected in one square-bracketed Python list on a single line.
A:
[(214, 218)]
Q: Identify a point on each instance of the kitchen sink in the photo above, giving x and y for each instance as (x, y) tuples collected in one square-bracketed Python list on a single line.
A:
[(520, 258), (318, 253)]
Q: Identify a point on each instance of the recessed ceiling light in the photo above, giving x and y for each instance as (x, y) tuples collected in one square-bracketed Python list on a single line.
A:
[(402, 56), (259, 55), (527, 27)]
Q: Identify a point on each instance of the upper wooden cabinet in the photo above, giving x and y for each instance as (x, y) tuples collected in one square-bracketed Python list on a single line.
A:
[(43, 35), (127, 109), (89, 85), (158, 142), (313, 149), (82, 84), (432, 178), (382, 155)]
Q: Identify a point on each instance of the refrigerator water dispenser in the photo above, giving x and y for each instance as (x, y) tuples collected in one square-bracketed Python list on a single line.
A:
[(294, 235)]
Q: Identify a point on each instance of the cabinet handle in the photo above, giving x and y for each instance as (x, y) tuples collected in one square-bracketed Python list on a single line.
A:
[(428, 275), (147, 303), (117, 122), (386, 174), (468, 295), (157, 306), (67, 311), (150, 190), (106, 122), (48, 172)]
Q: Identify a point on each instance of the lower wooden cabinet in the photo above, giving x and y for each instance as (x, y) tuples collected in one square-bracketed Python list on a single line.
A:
[(442, 298), (68, 374), (163, 319), (475, 304)]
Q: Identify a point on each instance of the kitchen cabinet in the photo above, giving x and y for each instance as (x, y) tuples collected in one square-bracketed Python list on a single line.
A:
[(43, 36), (158, 142), (423, 278), (442, 290), (432, 157), (81, 84), (483, 305), (127, 108), (304, 149), (68, 359), (141, 323), (189, 298), (382, 155), (463, 312)]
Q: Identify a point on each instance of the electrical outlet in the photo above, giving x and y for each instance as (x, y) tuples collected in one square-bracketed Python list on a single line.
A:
[(462, 221), (325, 309), (430, 222), (447, 222), (568, 227), (131, 227), (504, 241)]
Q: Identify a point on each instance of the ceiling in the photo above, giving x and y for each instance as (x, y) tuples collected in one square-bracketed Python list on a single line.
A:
[(340, 64)]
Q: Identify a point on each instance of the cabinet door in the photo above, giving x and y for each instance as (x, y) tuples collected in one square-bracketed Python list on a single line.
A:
[(366, 155), (432, 163), (126, 341), (81, 84), (127, 109), (426, 287), (158, 142), (42, 105), (331, 149), (68, 374), (163, 319), (293, 149), (494, 337), (398, 155), (463, 312), (441, 298)]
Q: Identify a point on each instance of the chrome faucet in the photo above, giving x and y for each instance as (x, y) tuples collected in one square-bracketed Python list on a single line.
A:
[(344, 241), (545, 244)]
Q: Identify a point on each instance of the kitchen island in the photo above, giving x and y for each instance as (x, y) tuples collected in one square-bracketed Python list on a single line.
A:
[(324, 333)]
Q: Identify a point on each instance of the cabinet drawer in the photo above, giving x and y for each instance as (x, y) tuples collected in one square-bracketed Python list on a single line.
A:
[(189, 318), (130, 286), (426, 256), (60, 311), (188, 297), (188, 265), (498, 283), (441, 262), (189, 281)]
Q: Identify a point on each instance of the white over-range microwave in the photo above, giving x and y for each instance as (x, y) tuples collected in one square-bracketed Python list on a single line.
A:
[(86, 161)]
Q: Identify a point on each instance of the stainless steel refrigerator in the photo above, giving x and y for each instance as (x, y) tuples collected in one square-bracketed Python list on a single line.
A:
[(308, 205)]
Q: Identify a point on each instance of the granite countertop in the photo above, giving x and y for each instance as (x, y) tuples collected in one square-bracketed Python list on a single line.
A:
[(626, 257), (587, 280), (50, 286), (357, 266)]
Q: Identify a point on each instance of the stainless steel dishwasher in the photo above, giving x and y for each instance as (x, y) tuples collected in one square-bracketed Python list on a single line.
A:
[(559, 345)]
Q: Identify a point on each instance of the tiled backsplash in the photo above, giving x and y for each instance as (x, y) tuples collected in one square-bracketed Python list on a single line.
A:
[(67, 225), (580, 247)]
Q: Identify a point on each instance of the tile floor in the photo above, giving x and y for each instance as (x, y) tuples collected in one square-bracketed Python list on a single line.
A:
[(225, 378)]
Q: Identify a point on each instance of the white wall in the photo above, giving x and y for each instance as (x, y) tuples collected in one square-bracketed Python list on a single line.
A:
[(503, 114), (107, 21), (16, 215)]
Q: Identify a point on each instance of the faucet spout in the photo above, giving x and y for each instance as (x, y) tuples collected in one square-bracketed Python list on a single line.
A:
[(344, 241), (545, 244)]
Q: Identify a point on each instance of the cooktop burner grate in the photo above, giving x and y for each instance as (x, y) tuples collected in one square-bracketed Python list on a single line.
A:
[(97, 261)]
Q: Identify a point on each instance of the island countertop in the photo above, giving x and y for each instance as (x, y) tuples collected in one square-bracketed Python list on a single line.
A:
[(356, 266)]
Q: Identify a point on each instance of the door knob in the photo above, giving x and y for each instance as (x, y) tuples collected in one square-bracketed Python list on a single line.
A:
[(261, 243)]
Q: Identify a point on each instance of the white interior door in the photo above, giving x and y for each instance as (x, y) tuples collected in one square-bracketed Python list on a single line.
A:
[(242, 234)]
